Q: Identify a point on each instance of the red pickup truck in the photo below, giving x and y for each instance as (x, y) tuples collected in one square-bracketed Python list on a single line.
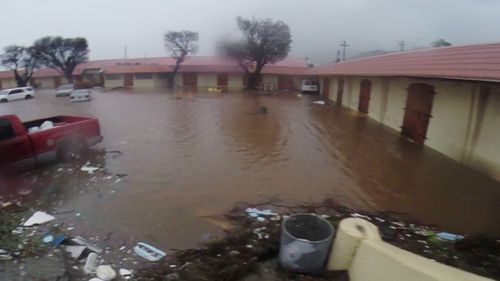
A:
[(40, 140)]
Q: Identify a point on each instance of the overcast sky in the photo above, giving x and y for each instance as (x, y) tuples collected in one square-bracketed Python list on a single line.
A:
[(317, 25)]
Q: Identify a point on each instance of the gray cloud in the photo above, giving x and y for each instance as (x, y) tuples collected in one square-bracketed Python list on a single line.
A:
[(317, 25)]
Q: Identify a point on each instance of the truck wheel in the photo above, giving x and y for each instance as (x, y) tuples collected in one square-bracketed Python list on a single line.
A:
[(27, 97), (3, 100), (72, 150)]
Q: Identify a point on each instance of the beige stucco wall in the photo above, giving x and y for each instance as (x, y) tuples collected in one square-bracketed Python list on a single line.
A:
[(45, 82), (270, 79), (206, 80), (113, 83), (144, 83), (455, 114), (235, 82), (9, 83)]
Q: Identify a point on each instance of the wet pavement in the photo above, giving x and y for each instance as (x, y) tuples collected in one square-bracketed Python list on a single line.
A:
[(189, 158)]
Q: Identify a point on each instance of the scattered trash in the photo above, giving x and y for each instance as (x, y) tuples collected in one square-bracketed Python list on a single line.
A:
[(105, 272), (321, 102), (89, 169), (38, 217), (356, 215), (125, 273), (449, 236), (49, 238), (95, 279), (4, 255), (82, 242), (299, 95), (256, 213), (260, 232), (90, 263), (148, 252), (58, 239), (75, 251), (172, 277), (25, 192)]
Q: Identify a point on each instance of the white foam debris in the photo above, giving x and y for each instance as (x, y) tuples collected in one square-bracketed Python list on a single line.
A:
[(38, 217)]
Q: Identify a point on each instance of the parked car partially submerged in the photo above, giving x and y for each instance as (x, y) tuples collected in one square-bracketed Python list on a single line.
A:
[(17, 94), (64, 90), (81, 95), (309, 86)]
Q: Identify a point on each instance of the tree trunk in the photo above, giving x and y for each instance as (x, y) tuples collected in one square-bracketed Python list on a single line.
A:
[(69, 77), (171, 80), (20, 80), (171, 77), (253, 81), (21, 83)]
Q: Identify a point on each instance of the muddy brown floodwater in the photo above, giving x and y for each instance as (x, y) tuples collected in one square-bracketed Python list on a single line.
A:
[(190, 158)]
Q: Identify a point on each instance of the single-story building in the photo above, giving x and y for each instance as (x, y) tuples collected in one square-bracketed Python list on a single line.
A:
[(447, 98), (196, 72)]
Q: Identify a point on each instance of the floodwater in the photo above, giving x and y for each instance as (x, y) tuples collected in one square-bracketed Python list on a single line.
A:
[(189, 158)]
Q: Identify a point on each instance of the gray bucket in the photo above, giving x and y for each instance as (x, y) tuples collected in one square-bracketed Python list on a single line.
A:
[(305, 243)]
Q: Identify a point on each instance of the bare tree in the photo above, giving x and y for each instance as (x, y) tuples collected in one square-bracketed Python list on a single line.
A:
[(440, 43), (264, 42), (22, 61), (180, 44), (62, 54)]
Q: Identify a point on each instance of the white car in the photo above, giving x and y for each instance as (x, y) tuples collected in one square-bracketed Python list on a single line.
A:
[(80, 95), (17, 94), (309, 86), (64, 90)]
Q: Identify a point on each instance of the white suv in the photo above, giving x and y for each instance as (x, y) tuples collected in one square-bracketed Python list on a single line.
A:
[(17, 94)]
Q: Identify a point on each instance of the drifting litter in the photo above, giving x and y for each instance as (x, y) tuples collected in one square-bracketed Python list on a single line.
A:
[(148, 252), (38, 217)]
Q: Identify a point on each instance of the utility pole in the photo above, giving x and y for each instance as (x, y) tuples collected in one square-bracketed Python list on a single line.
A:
[(343, 45), (338, 56), (402, 45), (125, 52)]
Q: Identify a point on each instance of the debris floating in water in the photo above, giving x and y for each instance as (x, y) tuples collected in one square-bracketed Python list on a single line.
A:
[(38, 217), (321, 102), (89, 169), (148, 252), (449, 236), (105, 272)]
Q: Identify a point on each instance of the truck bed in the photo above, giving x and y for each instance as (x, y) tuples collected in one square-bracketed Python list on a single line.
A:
[(57, 120)]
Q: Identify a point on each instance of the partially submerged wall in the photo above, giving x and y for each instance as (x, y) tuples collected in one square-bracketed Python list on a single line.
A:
[(464, 120), (359, 249)]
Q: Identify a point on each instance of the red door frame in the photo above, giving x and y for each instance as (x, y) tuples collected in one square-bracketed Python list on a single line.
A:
[(364, 95), (57, 82), (222, 80), (285, 82), (128, 80), (418, 112), (326, 88), (340, 91)]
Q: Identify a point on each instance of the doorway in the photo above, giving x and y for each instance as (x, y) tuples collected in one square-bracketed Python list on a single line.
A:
[(326, 88), (128, 80), (340, 91), (364, 95), (417, 112)]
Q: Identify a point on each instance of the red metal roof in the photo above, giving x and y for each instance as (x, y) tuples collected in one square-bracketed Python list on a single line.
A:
[(477, 62), (141, 68), (198, 64)]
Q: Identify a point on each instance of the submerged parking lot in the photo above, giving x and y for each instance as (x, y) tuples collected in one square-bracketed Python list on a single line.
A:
[(175, 162)]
